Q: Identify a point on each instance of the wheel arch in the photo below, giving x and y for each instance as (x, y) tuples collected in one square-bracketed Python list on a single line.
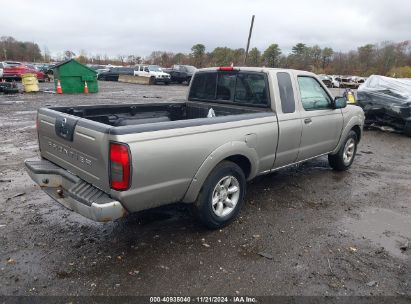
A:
[(354, 124), (357, 130), (237, 152)]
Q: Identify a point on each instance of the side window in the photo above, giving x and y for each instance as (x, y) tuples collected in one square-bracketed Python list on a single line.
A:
[(226, 86), (146, 70), (251, 89), (1, 65), (286, 92), (204, 86), (313, 96)]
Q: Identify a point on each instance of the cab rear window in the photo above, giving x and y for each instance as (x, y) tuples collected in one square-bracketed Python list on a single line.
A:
[(248, 88)]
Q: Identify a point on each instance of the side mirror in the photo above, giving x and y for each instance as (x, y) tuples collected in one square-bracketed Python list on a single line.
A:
[(340, 102)]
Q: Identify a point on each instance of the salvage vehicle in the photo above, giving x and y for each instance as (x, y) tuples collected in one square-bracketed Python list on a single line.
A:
[(152, 71), (105, 161), (13, 70), (113, 73), (348, 82), (386, 102), (181, 73), (335, 81)]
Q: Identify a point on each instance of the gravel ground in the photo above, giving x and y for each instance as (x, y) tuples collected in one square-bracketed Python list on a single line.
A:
[(306, 230)]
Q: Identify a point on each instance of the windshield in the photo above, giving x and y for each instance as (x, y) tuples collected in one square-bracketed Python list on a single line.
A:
[(155, 68), (190, 68)]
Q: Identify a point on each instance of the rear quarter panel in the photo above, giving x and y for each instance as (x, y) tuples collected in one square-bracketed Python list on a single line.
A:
[(165, 162)]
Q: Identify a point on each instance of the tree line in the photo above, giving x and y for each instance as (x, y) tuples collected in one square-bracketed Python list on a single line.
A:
[(385, 58)]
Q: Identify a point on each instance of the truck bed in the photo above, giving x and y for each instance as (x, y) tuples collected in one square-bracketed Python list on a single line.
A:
[(138, 114), (77, 138)]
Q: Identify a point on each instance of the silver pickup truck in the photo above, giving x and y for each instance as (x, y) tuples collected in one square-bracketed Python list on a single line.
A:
[(106, 161)]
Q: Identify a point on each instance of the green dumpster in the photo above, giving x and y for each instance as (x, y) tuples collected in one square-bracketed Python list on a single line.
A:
[(73, 75)]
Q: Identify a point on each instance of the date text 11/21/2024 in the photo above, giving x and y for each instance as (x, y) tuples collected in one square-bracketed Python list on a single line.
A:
[(204, 299)]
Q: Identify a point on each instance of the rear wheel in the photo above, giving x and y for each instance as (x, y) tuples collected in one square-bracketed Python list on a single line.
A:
[(344, 158), (222, 196)]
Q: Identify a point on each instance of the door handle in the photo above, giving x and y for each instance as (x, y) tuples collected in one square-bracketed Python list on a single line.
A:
[(307, 120)]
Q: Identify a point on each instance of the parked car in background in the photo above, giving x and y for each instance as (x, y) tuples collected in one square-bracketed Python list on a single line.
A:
[(1, 70), (181, 73), (348, 82), (102, 70), (358, 80), (99, 68), (40, 73), (12, 70), (152, 71), (45, 68), (113, 73), (326, 80), (105, 161), (335, 83)]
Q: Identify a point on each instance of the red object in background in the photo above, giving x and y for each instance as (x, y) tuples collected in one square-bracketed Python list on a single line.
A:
[(14, 70)]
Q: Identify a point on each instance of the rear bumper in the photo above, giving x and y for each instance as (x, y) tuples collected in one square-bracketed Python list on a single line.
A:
[(74, 193)]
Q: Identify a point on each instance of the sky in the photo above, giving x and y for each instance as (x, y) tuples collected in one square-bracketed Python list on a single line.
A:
[(139, 27)]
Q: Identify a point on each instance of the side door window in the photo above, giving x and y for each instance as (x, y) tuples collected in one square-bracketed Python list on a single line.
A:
[(313, 95), (286, 92)]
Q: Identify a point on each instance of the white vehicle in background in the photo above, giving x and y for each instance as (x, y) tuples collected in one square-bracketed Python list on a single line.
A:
[(1, 70), (335, 83), (152, 71)]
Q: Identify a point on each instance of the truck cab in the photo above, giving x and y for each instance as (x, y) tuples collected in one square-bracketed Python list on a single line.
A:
[(154, 71)]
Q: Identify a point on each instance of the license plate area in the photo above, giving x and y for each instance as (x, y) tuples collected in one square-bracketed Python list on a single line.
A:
[(65, 126)]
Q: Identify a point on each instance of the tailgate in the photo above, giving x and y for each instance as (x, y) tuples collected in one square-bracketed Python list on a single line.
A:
[(78, 145)]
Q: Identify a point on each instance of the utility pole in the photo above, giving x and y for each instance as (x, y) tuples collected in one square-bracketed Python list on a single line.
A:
[(249, 38)]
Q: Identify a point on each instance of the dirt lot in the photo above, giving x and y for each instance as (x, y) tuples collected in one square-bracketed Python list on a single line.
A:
[(306, 230)]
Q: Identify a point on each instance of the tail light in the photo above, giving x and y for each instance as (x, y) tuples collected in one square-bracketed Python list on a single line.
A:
[(119, 166), (230, 68)]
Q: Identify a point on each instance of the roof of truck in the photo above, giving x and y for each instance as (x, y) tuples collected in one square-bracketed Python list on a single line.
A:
[(255, 69)]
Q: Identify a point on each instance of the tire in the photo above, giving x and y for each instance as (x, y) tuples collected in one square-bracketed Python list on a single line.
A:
[(226, 175), (344, 158)]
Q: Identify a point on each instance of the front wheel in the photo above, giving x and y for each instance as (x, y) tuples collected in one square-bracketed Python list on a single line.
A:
[(344, 158), (222, 196)]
